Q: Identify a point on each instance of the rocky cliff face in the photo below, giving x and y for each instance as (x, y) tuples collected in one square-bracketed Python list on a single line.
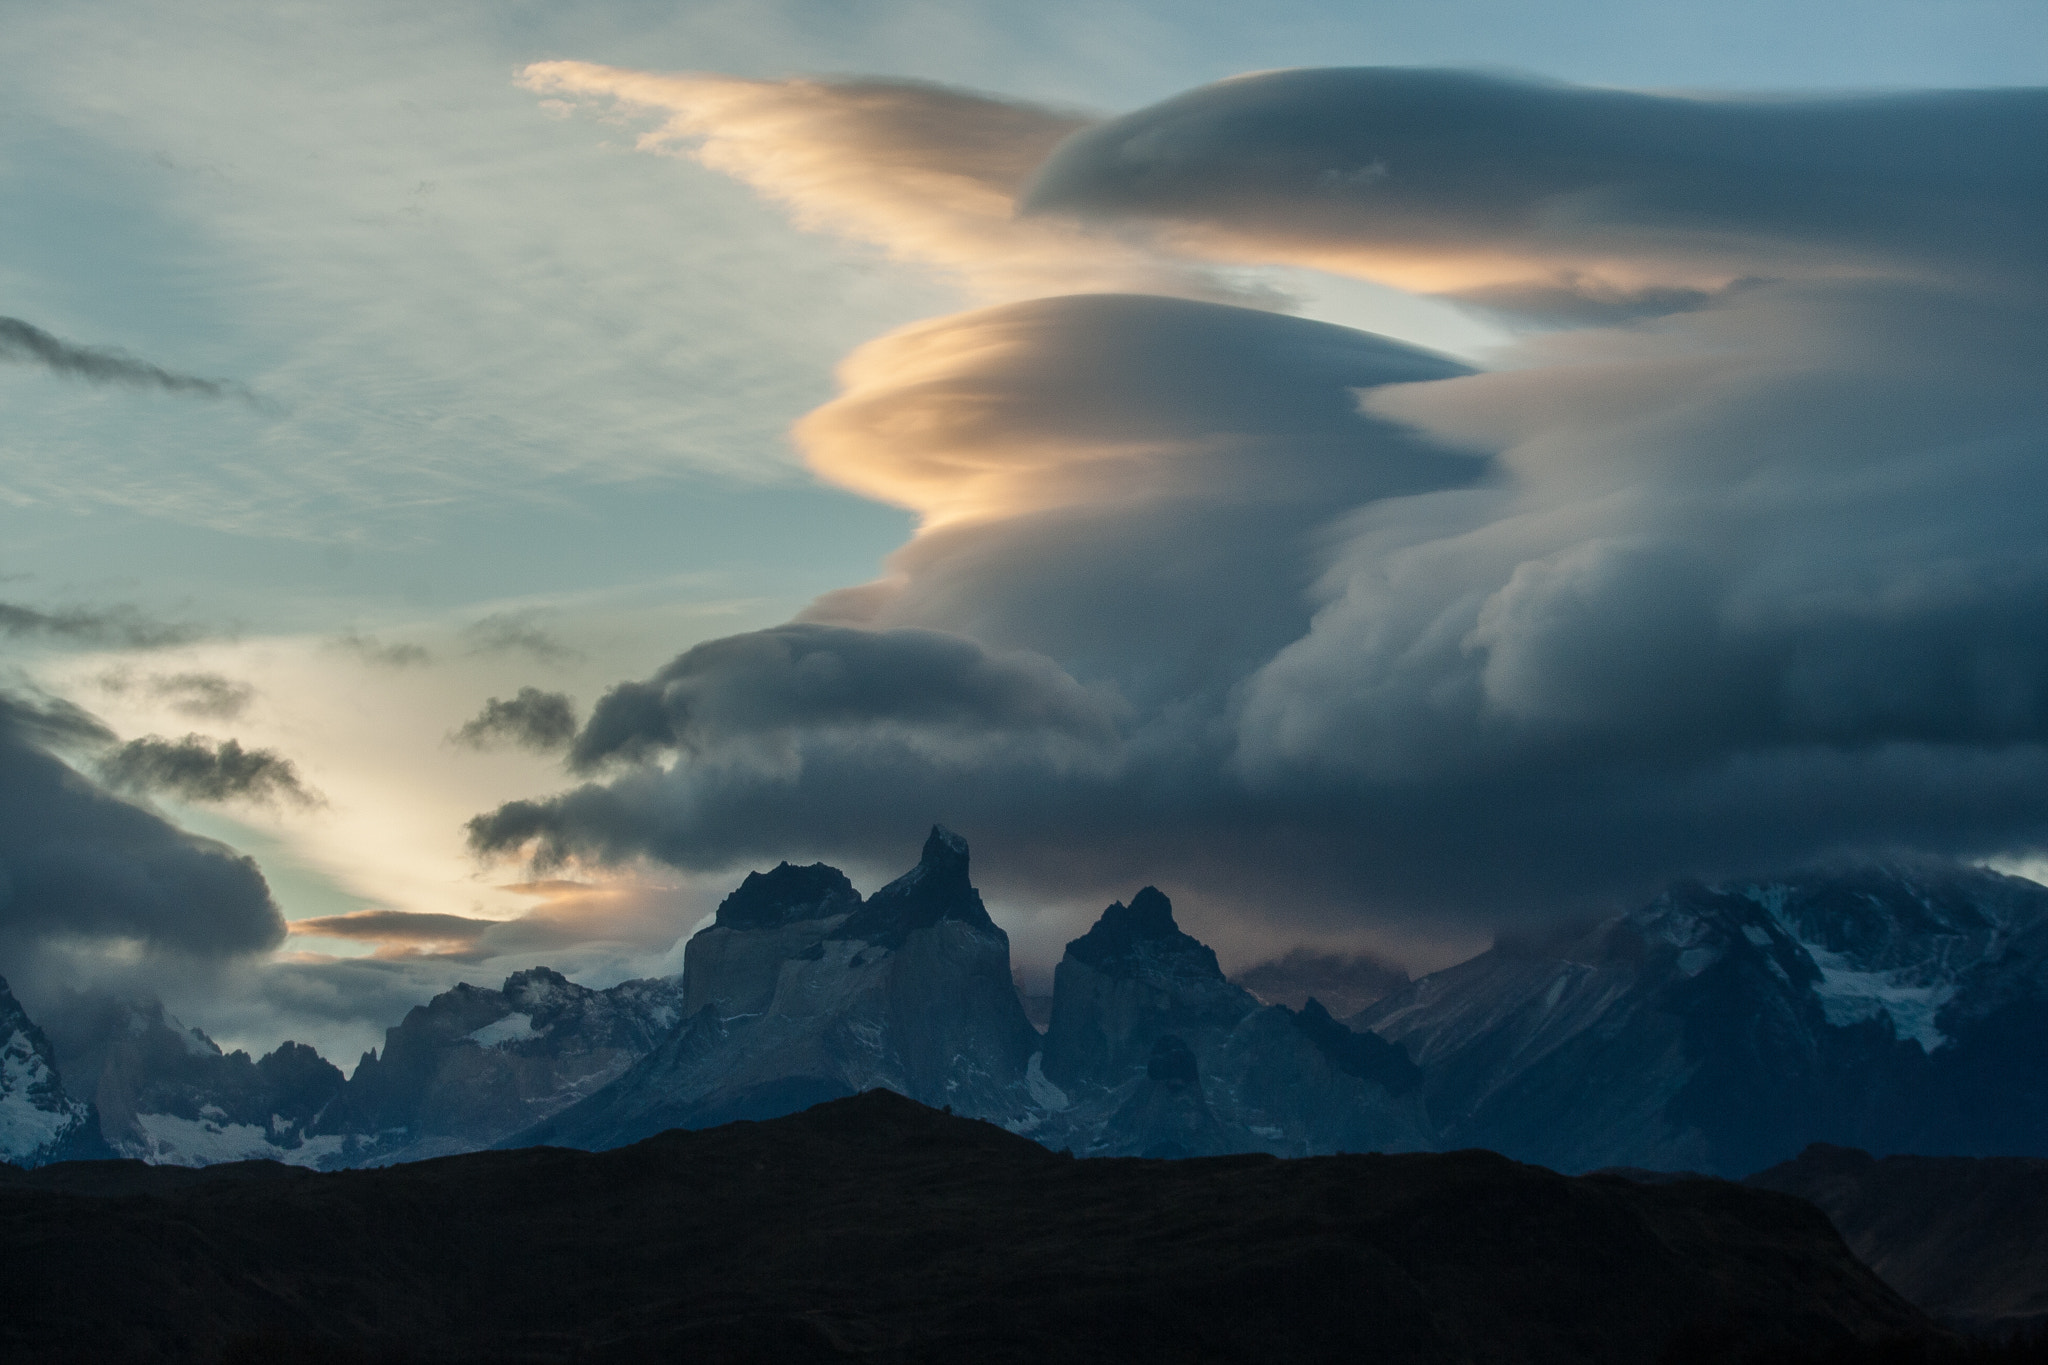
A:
[(39, 1122), (800, 992), (1130, 980), (167, 1094), (474, 1065), (1152, 1052), (1723, 1028)]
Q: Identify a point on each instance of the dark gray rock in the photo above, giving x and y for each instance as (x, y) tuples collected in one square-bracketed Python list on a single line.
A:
[(1133, 978), (1152, 1052), (1724, 1028), (909, 991), (165, 1093), (474, 1065)]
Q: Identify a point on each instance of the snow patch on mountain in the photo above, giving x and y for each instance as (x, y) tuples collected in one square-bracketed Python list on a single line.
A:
[(513, 1028), (1849, 996), (1909, 995), (34, 1116), (172, 1141)]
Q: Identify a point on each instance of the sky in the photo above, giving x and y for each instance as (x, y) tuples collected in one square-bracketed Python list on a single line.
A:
[(477, 482)]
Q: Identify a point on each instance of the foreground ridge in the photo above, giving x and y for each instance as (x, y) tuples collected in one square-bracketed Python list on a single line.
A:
[(877, 1227)]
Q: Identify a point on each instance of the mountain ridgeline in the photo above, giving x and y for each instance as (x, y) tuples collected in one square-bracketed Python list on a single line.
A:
[(1717, 1029)]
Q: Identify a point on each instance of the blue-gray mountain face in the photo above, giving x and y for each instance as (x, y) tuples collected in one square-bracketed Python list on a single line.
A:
[(39, 1122), (801, 992), (473, 1065), (1718, 1029), (1722, 1029)]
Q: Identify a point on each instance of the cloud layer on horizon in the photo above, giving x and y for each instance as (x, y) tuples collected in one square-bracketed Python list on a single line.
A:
[(1362, 633)]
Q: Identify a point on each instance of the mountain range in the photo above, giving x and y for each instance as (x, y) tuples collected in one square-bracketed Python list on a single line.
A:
[(1717, 1029)]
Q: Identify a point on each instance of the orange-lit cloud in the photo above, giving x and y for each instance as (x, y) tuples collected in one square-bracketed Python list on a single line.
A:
[(1096, 402), (928, 174), (626, 912)]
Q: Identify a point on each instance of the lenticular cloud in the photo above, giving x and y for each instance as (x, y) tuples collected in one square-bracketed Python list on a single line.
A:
[(1747, 573)]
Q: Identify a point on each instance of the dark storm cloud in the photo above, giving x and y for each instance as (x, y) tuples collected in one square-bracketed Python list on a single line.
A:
[(777, 682), (24, 344), (120, 626), (197, 769), (532, 720), (1752, 577), (79, 864)]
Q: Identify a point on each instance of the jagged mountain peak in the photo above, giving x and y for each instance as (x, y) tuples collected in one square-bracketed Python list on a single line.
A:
[(788, 894), (936, 889), (1365, 1055), (942, 861), (1130, 938)]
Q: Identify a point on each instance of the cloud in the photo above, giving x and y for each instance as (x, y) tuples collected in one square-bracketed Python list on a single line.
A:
[(46, 721), (207, 696), (508, 632), (532, 720), (196, 769), (634, 915), (80, 865), (928, 173), (24, 344), (394, 654), (1447, 181), (398, 932), (1747, 574), (1344, 983), (123, 626)]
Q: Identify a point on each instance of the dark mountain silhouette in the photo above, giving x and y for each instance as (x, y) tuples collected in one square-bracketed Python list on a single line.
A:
[(878, 1229), (1965, 1238)]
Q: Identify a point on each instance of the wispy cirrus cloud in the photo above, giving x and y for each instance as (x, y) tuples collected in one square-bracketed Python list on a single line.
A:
[(23, 343), (122, 626), (928, 173), (196, 693)]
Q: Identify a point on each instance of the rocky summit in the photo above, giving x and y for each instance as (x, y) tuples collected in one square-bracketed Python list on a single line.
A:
[(800, 991), (1153, 1052)]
